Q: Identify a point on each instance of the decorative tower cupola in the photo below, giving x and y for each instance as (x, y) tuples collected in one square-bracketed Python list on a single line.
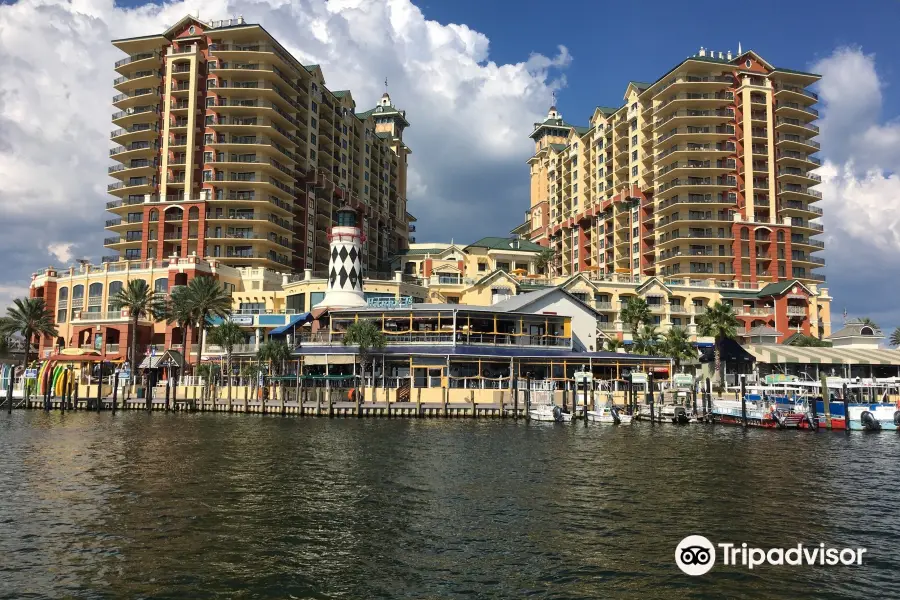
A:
[(345, 279)]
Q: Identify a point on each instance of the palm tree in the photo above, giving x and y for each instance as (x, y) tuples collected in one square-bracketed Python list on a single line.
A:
[(367, 336), (677, 346), (810, 341), (28, 317), (178, 311), (868, 321), (275, 354), (544, 260), (227, 334), (895, 338), (719, 322), (645, 339), (613, 344), (634, 312), (205, 298), (141, 302)]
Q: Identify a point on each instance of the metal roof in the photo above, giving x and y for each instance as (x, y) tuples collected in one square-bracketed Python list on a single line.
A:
[(779, 353), (484, 352)]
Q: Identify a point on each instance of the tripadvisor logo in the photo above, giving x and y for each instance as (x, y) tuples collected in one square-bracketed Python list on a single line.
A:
[(696, 555)]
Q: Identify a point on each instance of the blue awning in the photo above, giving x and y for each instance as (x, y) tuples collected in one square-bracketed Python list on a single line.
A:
[(292, 322)]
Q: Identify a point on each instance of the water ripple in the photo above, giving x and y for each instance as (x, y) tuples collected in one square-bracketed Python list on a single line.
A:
[(139, 505)]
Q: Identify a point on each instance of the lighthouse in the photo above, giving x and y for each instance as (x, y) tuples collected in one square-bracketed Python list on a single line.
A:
[(345, 280)]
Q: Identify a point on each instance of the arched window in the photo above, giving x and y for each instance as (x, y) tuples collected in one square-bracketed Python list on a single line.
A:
[(114, 288), (745, 233), (866, 331), (194, 213), (95, 297), (780, 236), (77, 297), (154, 215), (63, 294), (161, 285)]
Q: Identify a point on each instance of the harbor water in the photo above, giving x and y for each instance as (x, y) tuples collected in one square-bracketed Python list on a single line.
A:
[(154, 505)]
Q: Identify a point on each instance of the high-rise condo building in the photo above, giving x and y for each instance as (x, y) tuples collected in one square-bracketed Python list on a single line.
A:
[(705, 173), (229, 148)]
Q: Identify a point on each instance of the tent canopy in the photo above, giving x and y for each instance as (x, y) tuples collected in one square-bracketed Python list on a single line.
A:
[(292, 322)]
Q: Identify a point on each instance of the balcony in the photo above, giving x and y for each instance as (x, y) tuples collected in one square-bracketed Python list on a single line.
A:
[(796, 142), (138, 61), (801, 158), (138, 114), (138, 131), (790, 190), (794, 93), (795, 126), (795, 110), (697, 133), (139, 79), (138, 96)]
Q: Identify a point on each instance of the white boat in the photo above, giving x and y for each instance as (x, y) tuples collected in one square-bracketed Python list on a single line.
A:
[(874, 417), (549, 413), (608, 414)]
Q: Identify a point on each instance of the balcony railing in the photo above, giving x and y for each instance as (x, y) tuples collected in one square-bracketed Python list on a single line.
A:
[(135, 58)]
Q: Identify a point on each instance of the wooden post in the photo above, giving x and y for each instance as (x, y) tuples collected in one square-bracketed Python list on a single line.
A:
[(356, 399), (115, 391), (474, 408), (168, 393), (330, 404), (846, 414), (418, 404), (584, 412), (74, 392), (99, 385), (744, 401), (846, 398), (387, 393), (515, 398), (694, 399), (565, 407), (9, 391), (445, 396), (650, 400), (708, 396)]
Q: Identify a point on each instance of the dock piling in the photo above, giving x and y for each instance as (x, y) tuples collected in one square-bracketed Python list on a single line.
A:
[(115, 391), (744, 401)]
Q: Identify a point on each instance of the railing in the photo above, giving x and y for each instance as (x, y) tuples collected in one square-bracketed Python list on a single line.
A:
[(84, 315), (137, 110), (112, 348), (135, 58), (798, 90)]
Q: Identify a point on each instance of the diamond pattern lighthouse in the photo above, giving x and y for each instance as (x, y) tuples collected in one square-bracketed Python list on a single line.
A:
[(345, 279)]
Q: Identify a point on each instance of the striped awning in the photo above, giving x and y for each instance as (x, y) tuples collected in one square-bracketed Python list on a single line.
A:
[(780, 354)]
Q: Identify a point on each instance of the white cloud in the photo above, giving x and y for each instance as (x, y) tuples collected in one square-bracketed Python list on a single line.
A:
[(860, 188), (61, 250), (469, 116)]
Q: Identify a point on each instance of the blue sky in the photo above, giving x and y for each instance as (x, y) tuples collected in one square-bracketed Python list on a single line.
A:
[(791, 34), (473, 76)]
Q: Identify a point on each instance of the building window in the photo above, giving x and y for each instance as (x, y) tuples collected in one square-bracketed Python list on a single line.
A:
[(161, 285), (314, 107), (313, 123)]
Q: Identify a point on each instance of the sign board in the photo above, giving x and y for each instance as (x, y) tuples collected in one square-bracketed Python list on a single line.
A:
[(30, 373), (682, 380), (779, 378), (584, 376), (403, 302), (242, 319), (125, 374), (638, 378)]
